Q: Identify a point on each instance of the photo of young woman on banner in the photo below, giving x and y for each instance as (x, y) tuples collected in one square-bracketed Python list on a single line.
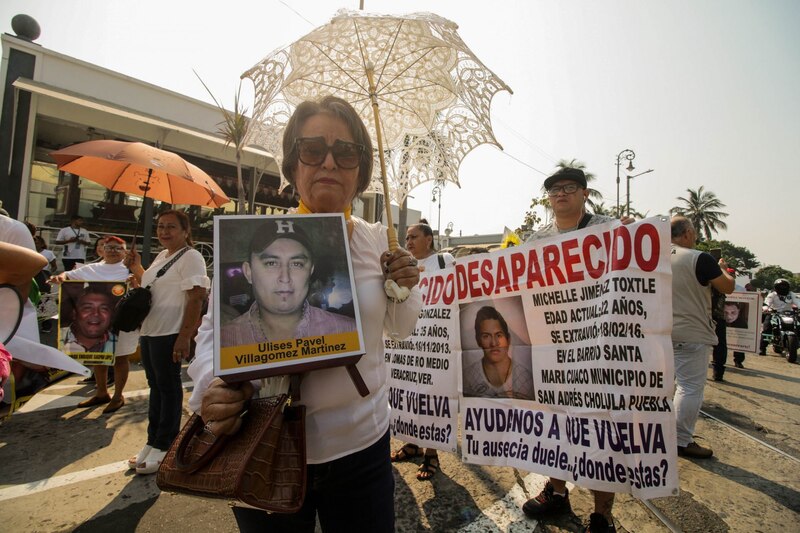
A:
[(496, 357), (85, 313), (284, 295)]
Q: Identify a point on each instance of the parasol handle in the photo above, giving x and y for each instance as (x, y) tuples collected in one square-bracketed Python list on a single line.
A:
[(391, 233), (144, 198)]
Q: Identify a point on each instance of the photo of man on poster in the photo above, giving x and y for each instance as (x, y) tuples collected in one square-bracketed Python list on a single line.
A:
[(86, 310), (281, 268), (736, 314), (499, 369)]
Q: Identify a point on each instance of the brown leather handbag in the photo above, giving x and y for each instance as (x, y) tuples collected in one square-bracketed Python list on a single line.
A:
[(263, 464)]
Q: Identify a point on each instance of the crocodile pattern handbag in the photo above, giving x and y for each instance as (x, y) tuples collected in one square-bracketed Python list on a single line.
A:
[(263, 464)]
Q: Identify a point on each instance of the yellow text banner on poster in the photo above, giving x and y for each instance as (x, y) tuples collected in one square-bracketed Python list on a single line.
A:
[(93, 358), (288, 351)]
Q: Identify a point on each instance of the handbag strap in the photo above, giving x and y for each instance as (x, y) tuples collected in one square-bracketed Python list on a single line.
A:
[(163, 270)]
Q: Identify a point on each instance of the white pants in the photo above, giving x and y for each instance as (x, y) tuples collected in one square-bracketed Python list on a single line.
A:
[(691, 368)]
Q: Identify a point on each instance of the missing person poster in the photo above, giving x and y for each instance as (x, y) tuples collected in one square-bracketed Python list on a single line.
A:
[(423, 375), (284, 296), (564, 356), (86, 309), (596, 320), (742, 314)]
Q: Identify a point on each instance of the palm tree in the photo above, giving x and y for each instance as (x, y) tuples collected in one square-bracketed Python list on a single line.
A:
[(702, 208), (611, 211), (594, 195), (233, 129)]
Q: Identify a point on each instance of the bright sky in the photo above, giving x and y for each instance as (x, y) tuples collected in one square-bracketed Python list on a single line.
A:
[(705, 92)]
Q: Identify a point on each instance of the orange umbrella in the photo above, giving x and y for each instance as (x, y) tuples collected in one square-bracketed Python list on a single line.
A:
[(143, 170)]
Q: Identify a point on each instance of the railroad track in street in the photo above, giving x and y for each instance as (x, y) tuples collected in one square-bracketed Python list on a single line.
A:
[(751, 437)]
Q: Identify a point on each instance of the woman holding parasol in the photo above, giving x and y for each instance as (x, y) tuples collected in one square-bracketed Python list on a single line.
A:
[(328, 160)]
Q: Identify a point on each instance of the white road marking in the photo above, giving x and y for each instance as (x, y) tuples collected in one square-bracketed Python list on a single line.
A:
[(42, 401), (26, 489), (504, 516)]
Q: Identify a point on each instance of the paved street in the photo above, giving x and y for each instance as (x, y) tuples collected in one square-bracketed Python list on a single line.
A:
[(63, 469)]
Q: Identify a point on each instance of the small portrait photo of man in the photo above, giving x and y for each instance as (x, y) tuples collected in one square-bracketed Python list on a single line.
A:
[(496, 350), (736, 314), (291, 282), (86, 310)]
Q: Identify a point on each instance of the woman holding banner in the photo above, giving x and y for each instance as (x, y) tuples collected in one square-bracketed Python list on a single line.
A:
[(350, 486), (419, 241)]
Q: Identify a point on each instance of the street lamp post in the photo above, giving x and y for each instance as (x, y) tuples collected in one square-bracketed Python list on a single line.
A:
[(629, 155), (628, 190), (437, 197)]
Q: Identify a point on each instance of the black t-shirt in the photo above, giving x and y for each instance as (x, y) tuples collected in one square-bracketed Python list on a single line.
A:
[(706, 269)]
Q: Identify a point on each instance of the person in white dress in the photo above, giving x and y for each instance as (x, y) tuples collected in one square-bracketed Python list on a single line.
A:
[(419, 241)]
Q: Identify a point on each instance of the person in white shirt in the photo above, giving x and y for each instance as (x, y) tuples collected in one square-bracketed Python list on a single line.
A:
[(17, 266), (350, 484), (15, 232), (167, 330), (41, 247), (75, 240), (111, 268), (779, 299), (19, 273), (419, 241)]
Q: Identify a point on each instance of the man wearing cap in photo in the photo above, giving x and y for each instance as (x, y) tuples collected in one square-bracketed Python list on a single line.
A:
[(568, 193), (280, 269)]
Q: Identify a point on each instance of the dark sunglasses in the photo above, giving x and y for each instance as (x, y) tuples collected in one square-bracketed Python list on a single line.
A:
[(312, 151)]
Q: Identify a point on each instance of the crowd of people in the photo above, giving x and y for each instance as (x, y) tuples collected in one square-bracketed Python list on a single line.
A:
[(350, 485)]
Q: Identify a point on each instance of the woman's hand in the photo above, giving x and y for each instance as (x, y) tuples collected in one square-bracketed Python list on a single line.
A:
[(182, 347), (133, 261), (58, 279), (401, 267), (223, 405), (133, 281)]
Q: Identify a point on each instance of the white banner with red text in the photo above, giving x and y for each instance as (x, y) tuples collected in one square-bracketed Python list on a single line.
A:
[(557, 355)]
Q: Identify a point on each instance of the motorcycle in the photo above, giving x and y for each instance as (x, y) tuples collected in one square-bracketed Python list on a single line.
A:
[(784, 335)]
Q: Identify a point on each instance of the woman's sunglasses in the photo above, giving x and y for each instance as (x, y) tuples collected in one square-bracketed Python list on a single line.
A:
[(312, 151)]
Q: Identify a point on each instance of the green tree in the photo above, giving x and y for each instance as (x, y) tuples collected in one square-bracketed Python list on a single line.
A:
[(532, 218), (234, 128), (739, 258), (703, 209), (594, 194), (766, 276)]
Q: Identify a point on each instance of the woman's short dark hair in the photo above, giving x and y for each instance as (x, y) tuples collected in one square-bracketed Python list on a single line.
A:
[(489, 313), (426, 230), (183, 220), (340, 109)]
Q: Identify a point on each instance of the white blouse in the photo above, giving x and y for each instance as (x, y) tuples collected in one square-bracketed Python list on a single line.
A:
[(169, 298)]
